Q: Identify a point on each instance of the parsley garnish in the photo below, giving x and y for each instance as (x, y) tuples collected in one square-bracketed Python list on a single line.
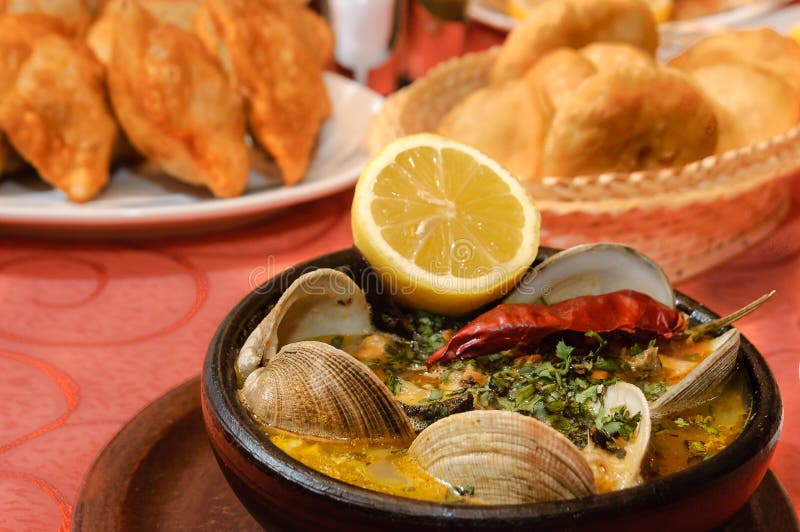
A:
[(697, 449), (652, 390), (394, 383), (435, 395), (464, 491), (337, 341)]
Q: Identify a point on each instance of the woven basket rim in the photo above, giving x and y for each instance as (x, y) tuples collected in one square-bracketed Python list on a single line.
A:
[(746, 157)]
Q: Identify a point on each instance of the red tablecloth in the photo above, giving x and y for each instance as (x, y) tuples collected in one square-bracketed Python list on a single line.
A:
[(90, 333)]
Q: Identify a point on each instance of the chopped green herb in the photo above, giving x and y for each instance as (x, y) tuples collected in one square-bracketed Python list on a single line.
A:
[(652, 390), (606, 364), (704, 422), (464, 491), (337, 341), (601, 342), (435, 395), (395, 385), (636, 349), (563, 351), (697, 449), (560, 386), (681, 423)]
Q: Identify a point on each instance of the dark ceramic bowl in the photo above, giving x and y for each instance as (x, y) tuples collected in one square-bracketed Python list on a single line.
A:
[(281, 492)]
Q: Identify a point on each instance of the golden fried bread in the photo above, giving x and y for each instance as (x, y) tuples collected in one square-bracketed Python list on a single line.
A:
[(762, 48), (752, 104), (277, 69), (74, 14), (555, 77), (502, 121), (630, 120), (56, 116), (609, 56), (573, 23), (175, 103)]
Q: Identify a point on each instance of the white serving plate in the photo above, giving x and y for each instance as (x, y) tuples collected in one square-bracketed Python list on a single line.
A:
[(142, 202)]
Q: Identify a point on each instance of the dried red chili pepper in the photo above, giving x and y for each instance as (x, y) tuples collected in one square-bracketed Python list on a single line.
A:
[(524, 325)]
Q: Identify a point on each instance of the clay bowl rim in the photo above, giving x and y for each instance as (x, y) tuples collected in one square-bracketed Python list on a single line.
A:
[(220, 403)]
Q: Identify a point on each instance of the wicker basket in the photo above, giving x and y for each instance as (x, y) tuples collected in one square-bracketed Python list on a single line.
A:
[(686, 218)]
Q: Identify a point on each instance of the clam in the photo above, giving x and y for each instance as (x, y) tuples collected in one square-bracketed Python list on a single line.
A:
[(696, 386), (322, 302), (592, 269), (701, 381), (617, 472), (506, 457), (313, 389)]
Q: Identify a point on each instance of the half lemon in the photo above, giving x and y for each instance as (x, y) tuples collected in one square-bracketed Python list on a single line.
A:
[(445, 226)]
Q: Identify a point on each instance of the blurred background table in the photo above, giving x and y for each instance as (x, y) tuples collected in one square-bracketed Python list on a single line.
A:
[(91, 332)]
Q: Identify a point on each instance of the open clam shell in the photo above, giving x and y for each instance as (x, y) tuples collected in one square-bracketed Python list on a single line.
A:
[(592, 269), (506, 457), (695, 387), (314, 389), (318, 303), (613, 472)]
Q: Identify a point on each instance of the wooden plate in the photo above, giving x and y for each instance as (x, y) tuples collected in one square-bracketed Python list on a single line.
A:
[(159, 473)]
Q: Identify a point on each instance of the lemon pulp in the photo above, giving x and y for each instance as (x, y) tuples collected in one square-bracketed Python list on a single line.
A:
[(449, 225)]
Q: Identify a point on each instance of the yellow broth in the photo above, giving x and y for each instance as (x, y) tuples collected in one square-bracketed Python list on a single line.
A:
[(384, 468), (676, 443), (689, 437)]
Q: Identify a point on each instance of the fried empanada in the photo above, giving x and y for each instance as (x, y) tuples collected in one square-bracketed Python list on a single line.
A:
[(56, 116), (318, 35), (752, 104), (762, 48), (573, 23), (18, 33), (100, 34), (277, 69), (181, 13), (555, 77), (630, 120), (75, 14), (175, 103), (504, 122)]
